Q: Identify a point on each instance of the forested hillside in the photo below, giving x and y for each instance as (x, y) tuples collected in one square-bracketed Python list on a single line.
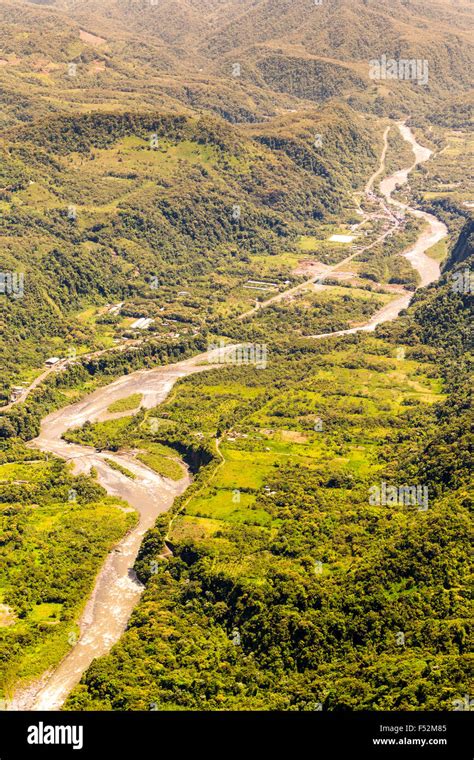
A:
[(126, 207), (242, 60)]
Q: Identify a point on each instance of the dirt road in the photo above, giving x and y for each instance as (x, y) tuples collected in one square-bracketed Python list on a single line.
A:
[(427, 267)]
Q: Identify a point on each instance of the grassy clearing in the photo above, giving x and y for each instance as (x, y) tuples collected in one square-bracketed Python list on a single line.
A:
[(120, 468), (47, 612), (309, 243), (230, 506), (236, 475), (158, 458), (126, 404), (439, 251), (30, 472)]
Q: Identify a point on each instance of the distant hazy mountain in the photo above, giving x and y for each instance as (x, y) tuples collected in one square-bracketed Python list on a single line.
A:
[(244, 59)]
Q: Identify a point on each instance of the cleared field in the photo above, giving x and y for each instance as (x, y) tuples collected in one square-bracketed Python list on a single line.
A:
[(230, 506), (298, 432)]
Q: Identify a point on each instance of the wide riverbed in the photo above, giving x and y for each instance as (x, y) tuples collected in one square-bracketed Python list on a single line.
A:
[(116, 590)]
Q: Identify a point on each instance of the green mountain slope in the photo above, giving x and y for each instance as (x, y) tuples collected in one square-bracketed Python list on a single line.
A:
[(186, 53), (109, 208)]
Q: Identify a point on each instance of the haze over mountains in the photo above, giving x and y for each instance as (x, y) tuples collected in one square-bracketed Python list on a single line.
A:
[(245, 60)]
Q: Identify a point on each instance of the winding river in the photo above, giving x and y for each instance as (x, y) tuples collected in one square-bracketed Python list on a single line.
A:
[(117, 590), (434, 231), (427, 267)]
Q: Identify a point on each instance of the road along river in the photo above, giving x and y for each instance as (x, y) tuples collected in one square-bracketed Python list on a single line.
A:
[(427, 268), (116, 590)]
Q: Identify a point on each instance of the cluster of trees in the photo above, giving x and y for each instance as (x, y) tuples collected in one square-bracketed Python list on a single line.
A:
[(308, 79), (55, 531)]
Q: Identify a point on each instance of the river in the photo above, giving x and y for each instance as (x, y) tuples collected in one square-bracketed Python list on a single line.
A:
[(427, 267), (116, 590)]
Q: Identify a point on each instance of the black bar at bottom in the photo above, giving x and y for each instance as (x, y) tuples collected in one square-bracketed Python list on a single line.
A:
[(134, 735)]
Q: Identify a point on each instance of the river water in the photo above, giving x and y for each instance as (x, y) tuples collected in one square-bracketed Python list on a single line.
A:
[(116, 590), (427, 267), (436, 230)]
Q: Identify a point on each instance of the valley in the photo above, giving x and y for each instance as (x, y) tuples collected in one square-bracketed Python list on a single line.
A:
[(236, 248), (116, 589)]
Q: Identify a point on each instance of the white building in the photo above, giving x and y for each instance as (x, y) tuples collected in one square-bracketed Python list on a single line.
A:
[(142, 323), (17, 392)]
